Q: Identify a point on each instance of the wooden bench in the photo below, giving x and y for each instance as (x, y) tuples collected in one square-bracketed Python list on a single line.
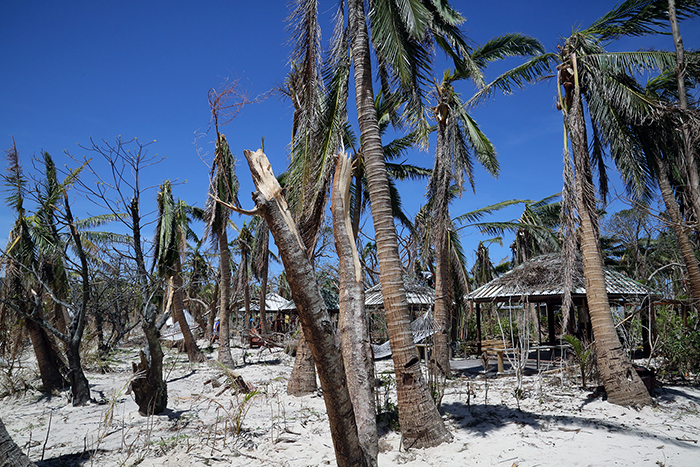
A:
[(491, 346)]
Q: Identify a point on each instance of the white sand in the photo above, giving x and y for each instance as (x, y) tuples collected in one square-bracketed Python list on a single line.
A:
[(557, 424)]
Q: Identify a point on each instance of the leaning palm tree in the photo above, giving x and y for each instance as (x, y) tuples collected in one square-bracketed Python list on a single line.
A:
[(663, 148), (172, 230), (588, 73), (402, 31)]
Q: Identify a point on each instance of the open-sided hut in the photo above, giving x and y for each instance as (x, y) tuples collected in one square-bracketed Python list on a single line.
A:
[(420, 300), (541, 281)]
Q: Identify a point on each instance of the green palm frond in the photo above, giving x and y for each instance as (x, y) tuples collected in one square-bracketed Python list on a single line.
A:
[(532, 71), (469, 218), (507, 45), (639, 18)]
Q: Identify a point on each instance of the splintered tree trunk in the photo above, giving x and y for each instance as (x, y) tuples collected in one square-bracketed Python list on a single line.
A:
[(10, 454), (193, 353), (421, 424), (352, 323), (313, 314), (621, 381)]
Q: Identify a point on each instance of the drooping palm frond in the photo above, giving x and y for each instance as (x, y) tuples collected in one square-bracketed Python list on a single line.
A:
[(471, 217), (640, 18), (531, 71)]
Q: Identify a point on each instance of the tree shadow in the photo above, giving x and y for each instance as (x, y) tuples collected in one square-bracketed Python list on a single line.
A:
[(70, 460), (192, 372), (484, 419), (666, 394)]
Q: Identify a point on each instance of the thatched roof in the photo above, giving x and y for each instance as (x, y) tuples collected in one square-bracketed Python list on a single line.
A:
[(417, 294), (543, 277)]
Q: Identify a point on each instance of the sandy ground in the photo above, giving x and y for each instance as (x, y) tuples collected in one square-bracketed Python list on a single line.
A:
[(556, 423)]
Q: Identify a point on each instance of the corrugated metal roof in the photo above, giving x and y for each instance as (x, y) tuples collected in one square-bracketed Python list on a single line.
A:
[(416, 294)]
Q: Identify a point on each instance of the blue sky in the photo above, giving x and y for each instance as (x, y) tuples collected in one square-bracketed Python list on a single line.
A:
[(74, 70)]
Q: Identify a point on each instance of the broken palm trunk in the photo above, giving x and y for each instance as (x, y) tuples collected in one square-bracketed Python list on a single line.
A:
[(352, 322), (313, 314)]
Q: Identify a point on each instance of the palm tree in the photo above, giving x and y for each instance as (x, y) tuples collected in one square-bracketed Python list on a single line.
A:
[(663, 148), (602, 79), (458, 137), (172, 231), (401, 31), (21, 257), (223, 188), (689, 149)]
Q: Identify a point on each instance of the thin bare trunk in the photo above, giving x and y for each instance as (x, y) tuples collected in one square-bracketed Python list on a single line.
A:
[(225, 305), (263, 283), (421, 424), (312, 310)]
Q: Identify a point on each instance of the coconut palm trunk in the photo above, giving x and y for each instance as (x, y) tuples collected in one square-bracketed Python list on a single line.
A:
[(421, 424), (622, 383), (678, 226), (10, 454), (689, 149)]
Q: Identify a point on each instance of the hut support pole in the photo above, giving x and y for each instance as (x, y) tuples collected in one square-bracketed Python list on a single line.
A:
[(550, 323), (478, 328)]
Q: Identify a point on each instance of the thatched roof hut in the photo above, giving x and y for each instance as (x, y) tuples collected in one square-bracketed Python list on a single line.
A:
[(541, 281), (543, 277)]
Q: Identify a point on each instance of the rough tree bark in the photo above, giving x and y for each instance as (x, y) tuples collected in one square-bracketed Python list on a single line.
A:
[(225, 305), (621, 381), (352, 322), (421, 424), (313, 314), (10, 454)]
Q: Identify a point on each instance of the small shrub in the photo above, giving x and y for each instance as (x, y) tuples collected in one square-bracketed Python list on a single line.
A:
[(678, 347)]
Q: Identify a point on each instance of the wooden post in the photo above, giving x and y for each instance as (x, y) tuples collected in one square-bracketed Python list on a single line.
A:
[(478, 328), (551, 338)]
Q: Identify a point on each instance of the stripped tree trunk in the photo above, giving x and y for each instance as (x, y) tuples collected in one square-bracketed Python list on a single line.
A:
[(225, 304), (313, 314), (194, 355), (352, 323)]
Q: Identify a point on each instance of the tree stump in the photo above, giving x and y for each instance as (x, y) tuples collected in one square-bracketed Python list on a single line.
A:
[(150, 394)]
